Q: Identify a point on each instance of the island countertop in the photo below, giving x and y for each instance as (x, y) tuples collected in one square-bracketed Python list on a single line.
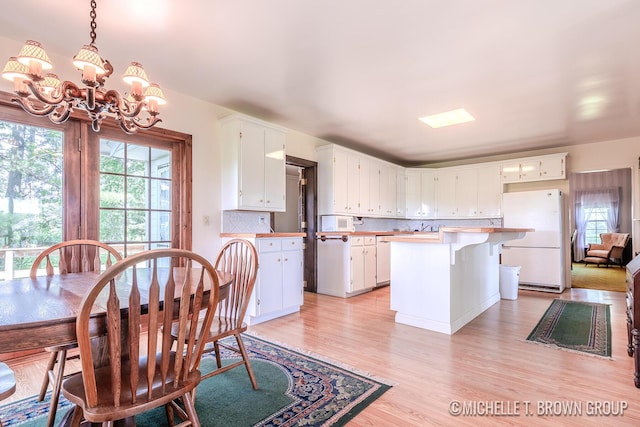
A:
[(438, 236)]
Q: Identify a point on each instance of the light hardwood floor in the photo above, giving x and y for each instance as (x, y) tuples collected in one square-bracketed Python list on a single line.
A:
[(486, 362)]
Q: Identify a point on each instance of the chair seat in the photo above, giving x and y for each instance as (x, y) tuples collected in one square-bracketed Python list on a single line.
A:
[(599, 253), (7, 381), (73, 390), (596, 260)]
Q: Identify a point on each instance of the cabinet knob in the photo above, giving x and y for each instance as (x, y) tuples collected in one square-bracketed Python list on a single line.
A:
[(286, 259)]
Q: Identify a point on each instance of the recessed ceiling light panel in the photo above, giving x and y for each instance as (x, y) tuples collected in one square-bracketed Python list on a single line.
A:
[(448, 118)]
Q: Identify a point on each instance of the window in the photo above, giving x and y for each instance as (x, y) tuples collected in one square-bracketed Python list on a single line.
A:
[(63, 182), (596, 224)]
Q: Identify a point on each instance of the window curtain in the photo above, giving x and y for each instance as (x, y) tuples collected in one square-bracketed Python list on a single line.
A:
[(608, 198)]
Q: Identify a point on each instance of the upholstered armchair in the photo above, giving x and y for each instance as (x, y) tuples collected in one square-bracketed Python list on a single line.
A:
[(608, 251)]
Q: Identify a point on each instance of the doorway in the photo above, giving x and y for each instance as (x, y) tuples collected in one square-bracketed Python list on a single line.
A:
[(301, 212), (600, 202)]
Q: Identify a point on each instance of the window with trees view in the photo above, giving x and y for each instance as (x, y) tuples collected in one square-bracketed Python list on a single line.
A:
[(596, 224), (63, 182)]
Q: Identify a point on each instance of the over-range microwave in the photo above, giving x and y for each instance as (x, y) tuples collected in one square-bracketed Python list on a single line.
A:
[(337, 223)]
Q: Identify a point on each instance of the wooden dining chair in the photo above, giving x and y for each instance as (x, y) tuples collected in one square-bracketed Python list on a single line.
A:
[(72, 256), (143, 372), (7, 382), (240, 258)]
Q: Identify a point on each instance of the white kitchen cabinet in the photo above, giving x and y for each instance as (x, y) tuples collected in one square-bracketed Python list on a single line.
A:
[(537, 168), (388, 190), (401, 196), (363, 263), (254, 174), (420, 193), (445, 189), (383, 261), (279, 285), (468, 192), (338, 181), (489, 191), (346, 268)]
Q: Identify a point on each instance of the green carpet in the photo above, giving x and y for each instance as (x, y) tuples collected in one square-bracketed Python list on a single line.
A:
[(577, 326), (294, 389)]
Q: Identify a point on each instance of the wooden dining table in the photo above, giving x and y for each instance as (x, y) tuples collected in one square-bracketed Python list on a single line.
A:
[(40, 312)]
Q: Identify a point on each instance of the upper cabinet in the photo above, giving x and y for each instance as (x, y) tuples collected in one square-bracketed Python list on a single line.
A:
[(420, 193), (468, 192), (539, 168), (254, 164), (350, 183)]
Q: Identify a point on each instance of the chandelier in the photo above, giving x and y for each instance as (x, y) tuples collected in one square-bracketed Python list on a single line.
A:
[(45, 95)]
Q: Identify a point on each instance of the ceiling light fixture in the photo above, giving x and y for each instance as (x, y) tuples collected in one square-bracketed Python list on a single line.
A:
[(57, 99), (448, 118)]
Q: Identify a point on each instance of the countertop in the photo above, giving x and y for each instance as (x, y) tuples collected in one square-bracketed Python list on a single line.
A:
[(438, 237), (261, 235)]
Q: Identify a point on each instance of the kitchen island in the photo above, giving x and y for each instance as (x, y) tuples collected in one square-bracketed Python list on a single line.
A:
[(441, 281)]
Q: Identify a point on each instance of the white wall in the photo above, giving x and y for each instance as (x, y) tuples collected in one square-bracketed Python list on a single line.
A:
[(199, 119)]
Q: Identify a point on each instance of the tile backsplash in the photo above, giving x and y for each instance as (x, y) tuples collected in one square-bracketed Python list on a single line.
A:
[(246, 222)]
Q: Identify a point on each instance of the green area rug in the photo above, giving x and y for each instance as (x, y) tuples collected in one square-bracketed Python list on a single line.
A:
[(294, 389), (583, 327)]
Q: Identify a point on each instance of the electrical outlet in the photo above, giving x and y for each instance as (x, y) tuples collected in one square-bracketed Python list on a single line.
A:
[(261, 220), (205, 220)]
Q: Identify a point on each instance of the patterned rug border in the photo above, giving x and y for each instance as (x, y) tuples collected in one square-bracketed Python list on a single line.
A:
[(570, 350), (288, 359), (321, 358)]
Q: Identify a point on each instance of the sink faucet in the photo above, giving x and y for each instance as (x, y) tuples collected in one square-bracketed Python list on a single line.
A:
[(427, 227)]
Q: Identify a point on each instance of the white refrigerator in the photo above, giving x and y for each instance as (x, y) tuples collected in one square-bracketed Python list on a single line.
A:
[(543, 255)]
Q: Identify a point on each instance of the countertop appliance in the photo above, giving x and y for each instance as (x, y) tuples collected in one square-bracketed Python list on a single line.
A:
[(337, 223), (543, 255)]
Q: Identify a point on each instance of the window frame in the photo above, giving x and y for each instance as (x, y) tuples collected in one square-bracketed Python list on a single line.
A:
[(81, 181)]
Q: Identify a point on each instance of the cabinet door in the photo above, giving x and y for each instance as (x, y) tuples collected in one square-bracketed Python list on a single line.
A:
[(401, 197), (369, 275), (374, 188), (292, 264), (552, 168), (364, 197), (269, 290), (510, 172), (357, 268), (529, 170), (340, 178), (251, 166), (446, 194), (467, 193), (274, 171), (427, 194), (383, 261), (489, 192), (353, 184), (413, 198)]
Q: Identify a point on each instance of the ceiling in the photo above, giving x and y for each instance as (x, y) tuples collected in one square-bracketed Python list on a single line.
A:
[(535, 73)]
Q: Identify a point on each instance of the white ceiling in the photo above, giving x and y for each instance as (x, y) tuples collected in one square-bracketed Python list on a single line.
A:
[(534, 73)]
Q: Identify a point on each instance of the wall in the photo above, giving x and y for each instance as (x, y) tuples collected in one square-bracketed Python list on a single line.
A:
[(199, 119)]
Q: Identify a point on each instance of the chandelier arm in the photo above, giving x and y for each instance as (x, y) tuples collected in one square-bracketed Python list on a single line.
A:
[(68, 91), (59, 117), (30, 108), (114, 98), (151, 121)]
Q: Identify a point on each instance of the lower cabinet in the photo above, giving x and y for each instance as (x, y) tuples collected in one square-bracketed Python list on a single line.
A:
[(383, 261), (279, 286), (346, 268)]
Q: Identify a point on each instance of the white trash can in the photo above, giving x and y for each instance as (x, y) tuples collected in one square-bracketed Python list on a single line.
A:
[(509, 278)]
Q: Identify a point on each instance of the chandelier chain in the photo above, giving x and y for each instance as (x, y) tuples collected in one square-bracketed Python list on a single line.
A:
[(93, 15)]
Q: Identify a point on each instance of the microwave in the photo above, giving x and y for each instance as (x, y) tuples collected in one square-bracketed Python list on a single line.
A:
[(337, 223)]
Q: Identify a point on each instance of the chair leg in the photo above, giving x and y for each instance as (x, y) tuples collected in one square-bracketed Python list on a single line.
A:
[(190, 409), (247, 363), (216, 348), (45, 381), (56, 381)]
